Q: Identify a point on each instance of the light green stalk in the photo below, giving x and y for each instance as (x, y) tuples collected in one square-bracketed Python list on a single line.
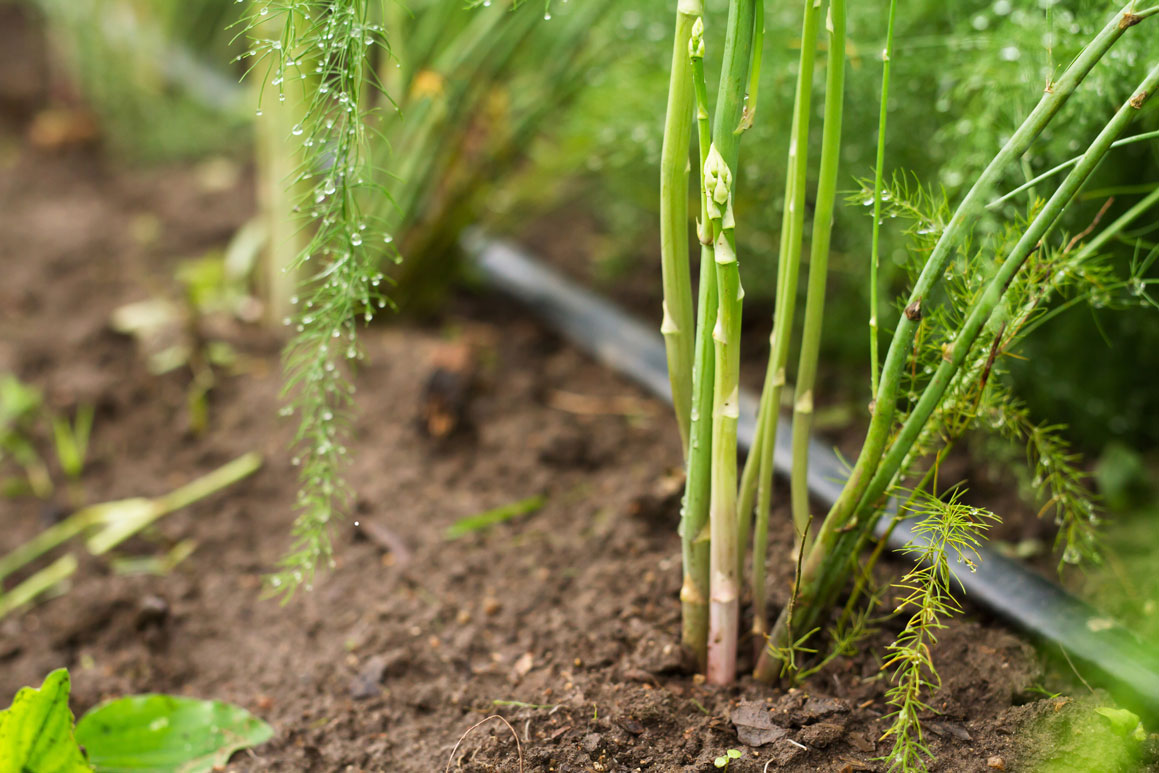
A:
[(677, 324), (37, 584), (719, 181), (878, 174), (818, 268), (828, 563), (279, 160), (694, 514), (758, 473)]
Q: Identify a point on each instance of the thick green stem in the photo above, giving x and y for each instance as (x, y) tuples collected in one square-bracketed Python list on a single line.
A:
[(694, 514), (818, 268), (827, 566), (677, 324), (878, 175), (759, 467), (724, 591), (719, 185)]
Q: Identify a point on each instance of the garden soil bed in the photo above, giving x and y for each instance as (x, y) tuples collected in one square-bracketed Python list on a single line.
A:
[(571, 611)]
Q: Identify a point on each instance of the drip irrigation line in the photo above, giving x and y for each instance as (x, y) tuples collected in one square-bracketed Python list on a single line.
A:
[(1004, 587)]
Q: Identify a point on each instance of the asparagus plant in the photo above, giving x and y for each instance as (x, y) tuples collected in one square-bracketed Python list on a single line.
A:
[(966, 325)]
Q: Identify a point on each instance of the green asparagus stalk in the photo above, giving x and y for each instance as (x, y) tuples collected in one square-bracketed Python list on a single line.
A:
[(677, 324), (758, 472), (818, 268), (719, 180), (694, 514), (724, 581), (279, 160)]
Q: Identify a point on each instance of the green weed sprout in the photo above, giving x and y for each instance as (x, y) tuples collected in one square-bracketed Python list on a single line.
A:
[(723, 760), (72, 440), (21, 407)]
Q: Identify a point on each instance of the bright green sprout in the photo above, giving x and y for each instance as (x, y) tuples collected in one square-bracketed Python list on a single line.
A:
[(723, 760)]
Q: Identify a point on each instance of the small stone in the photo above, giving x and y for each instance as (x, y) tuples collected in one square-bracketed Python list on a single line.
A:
[(996, 762), (152, 612), (491, 606), (821, 734), (365, 683), (523, 665), (632, 725), (817, 707)]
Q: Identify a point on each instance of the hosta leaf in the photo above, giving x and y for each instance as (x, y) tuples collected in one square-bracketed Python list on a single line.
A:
[(167, 734)]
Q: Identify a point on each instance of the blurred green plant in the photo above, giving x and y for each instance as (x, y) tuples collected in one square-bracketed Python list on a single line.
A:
[(25, 423), (105, 526), (147, 70), (21, 408), (1080, 735)]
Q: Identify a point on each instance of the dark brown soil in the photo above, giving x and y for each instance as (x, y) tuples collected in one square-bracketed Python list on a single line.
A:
[(571, 611)]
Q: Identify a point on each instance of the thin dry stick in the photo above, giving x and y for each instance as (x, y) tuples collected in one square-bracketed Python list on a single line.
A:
[(472, 728)]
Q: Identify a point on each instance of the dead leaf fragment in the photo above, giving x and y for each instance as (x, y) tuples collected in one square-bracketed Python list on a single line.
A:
[(754, 726)]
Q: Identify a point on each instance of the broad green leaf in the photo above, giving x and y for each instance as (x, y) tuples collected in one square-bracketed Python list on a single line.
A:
[(36, 731), (166, 734)]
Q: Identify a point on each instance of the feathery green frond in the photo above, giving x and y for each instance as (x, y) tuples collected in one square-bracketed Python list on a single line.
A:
[(319, 53), (947, 530)]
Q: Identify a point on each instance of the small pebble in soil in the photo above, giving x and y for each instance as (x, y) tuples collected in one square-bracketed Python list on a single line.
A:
[(996, 762), (152, 611)]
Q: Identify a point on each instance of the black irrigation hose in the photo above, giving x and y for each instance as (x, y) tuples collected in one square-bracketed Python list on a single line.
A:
[(1000, 585)]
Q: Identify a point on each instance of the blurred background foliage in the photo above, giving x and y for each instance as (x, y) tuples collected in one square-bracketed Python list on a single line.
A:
[(507, 116)]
